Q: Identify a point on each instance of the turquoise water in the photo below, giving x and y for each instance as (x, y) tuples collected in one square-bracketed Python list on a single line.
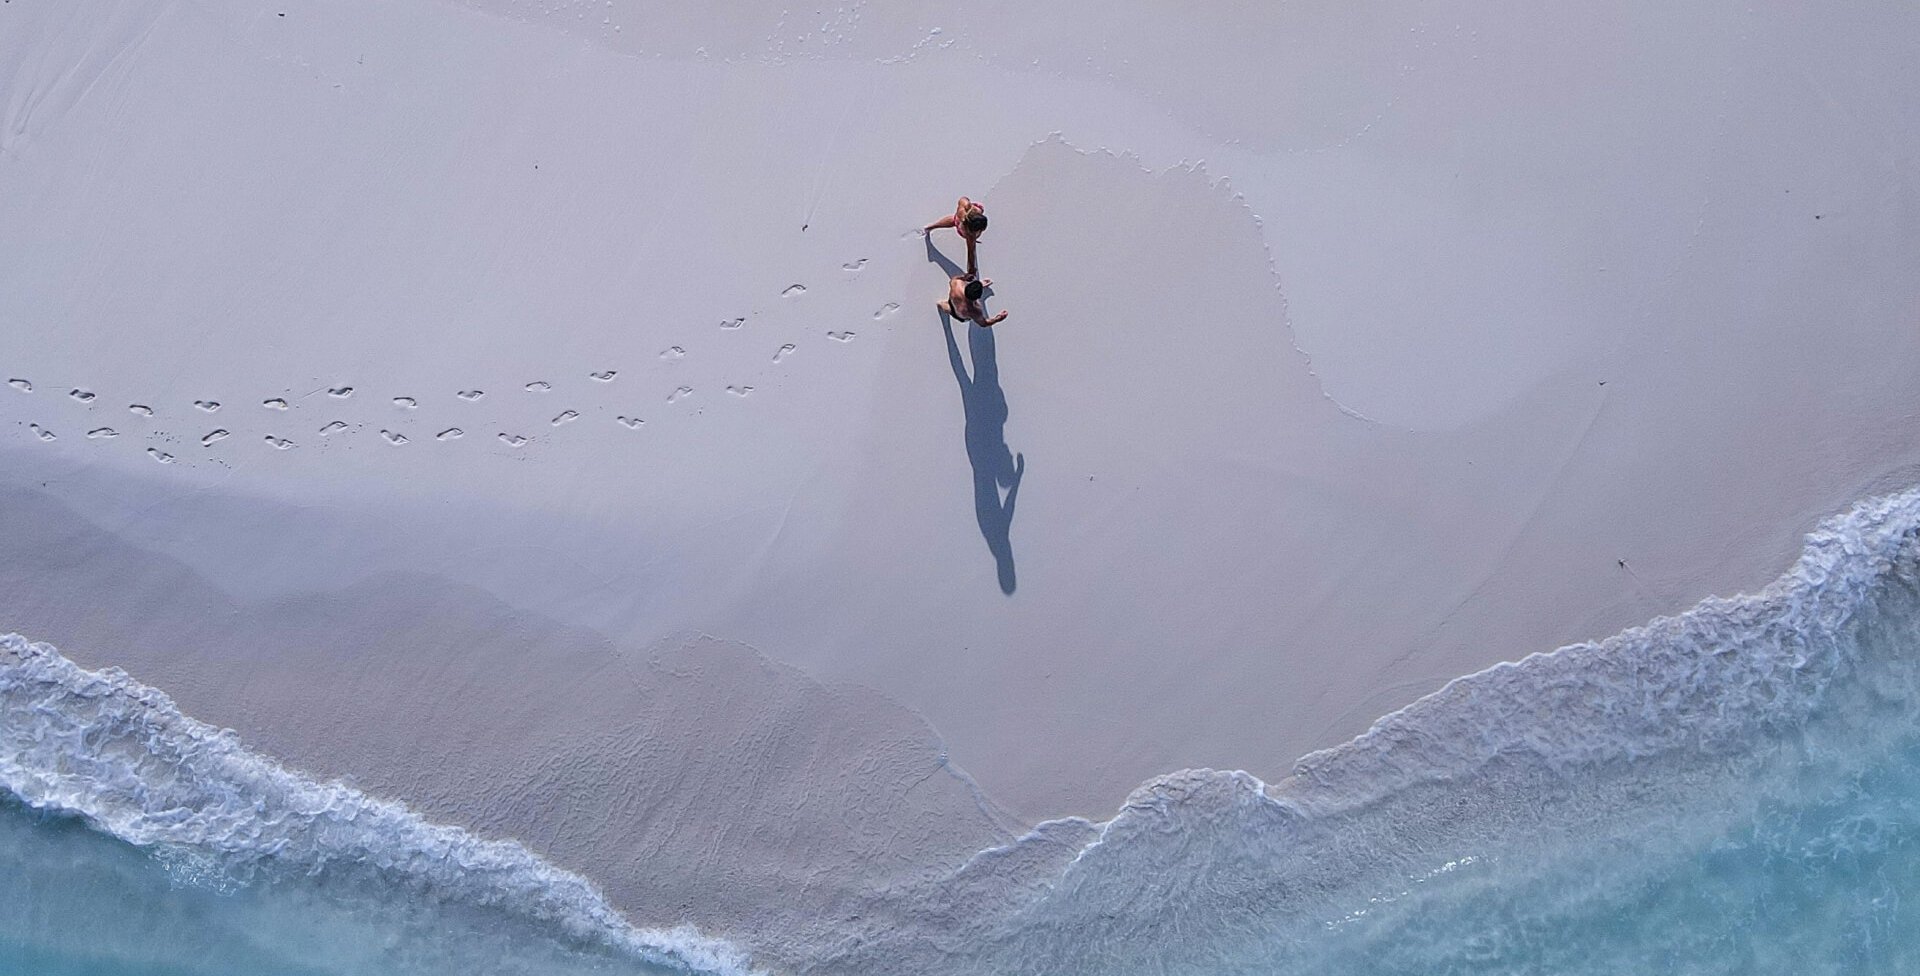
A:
[(1828, 884), (138, 839), (76, 902), (1824, 882), (1735, 789)]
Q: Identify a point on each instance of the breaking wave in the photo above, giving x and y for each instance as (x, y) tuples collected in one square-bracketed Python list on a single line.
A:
[(1641, 803), (1734, 789), (121, 756)]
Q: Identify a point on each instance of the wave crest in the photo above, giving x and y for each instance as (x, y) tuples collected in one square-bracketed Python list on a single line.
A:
[(122, 756), (1653, 741)]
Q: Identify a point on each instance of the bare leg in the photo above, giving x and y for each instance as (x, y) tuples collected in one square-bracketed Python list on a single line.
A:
[(946, 221)]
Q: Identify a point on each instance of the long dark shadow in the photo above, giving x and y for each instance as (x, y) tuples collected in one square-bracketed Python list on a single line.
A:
[(935, 255), (995, 466)]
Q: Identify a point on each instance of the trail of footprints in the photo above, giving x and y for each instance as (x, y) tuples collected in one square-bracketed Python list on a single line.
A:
[(336, 429)]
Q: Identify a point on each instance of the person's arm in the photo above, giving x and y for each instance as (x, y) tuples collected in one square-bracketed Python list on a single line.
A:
[(996, 320)]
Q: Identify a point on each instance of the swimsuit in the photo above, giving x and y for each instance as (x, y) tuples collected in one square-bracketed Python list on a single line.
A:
[(960, 219)]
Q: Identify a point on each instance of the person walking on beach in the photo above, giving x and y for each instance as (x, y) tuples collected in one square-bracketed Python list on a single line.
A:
[(969, 219), (964, 291), (964, 294)]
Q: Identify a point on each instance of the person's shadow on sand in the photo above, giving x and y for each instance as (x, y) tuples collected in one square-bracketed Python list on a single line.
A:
[(995, 466), (946, 264)]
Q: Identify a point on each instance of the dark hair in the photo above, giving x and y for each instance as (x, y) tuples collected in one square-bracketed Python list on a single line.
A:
[(975, 290), (976, 222)]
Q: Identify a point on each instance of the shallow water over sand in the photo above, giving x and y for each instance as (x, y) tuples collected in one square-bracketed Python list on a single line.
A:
[(1734, 789), (76, 902)]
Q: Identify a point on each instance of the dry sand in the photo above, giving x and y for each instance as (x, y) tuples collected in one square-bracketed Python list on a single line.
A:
[(1480, 329)]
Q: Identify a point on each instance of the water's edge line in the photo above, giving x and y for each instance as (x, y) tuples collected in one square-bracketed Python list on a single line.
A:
[(280, 807)]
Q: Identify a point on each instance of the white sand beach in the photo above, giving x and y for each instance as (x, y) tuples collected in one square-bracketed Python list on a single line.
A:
[(537, 412)]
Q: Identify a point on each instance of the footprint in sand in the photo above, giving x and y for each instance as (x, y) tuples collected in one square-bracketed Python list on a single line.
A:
[(512, 440), (274, 404), (41, 432), (854, 265), (630, 423), (740, 391), (794, 291), (605, 376), (450, 434), (218, 435), (680, 394), (405, 403), (392, 438), (566, 417), (342, 392), (21, 385), (207, 405), (784, 352), (333, 428), (842, 336), (140, 409), (471, 395), (539, 386), (159, 455), (730, 324), (99, 432), (672, 353), (279, 443), (84, 396), (886, 310)]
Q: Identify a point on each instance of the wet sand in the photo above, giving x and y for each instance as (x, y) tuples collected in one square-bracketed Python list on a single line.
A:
[(550, 426)]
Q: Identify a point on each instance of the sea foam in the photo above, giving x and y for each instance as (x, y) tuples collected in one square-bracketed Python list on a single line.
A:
[(120, 755), (1569, 782), (1599, 765)]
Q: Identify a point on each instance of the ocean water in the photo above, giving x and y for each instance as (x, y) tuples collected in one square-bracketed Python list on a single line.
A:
[(1735, 789), (77, 902), (136, 839)]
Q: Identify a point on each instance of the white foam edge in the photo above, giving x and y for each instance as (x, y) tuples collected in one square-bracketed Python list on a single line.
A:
[(121, 756)]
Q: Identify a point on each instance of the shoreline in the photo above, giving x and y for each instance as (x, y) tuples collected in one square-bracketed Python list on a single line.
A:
[(1828, 597), (402, 384)]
